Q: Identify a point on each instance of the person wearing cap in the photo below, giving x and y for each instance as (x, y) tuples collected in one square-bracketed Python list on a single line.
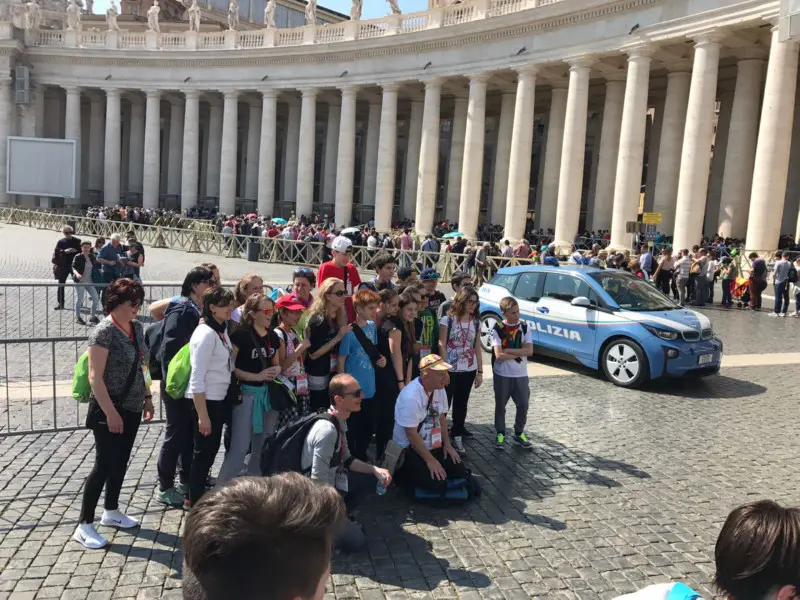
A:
[(65, 251), (291, 357), (341, 268), (430, 278), (428, 323), (420, 427), (406, 276)]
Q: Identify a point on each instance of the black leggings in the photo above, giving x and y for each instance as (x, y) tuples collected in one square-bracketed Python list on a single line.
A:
[(415, 471), (664, 279), (111, 454), (178, 440), (206, 447), (458, 396), (61, 276)]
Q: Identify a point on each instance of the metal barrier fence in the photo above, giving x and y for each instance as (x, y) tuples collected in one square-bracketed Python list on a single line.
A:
[(36, 386)]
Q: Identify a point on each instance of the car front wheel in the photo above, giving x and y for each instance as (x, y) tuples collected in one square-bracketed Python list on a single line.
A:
[(488, 321), (624, 363)]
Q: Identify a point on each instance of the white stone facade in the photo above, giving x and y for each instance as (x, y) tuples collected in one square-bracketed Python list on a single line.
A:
[(483, 110)]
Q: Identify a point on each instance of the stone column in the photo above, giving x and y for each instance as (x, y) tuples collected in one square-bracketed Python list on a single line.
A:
[(230, 131), (96, 142), (136, 147), (331, 150), (428, 157), (455, 164), (113, 148), (387, 159), (669, 152), (72, 131), (772, 149), (152, 149), (609, 149), (175, 159), (472, 171), (502, 156), (5, 130), (628, 182), (346, 158), (214, 155), (696, 153), (412, 160), (369, 174), (653, 144), (266, 152), (552, 159), (570, 182), (305, 156), (723, 128), (740, 157), (519, 164), (190, 157), (292, 147), (253, 145)]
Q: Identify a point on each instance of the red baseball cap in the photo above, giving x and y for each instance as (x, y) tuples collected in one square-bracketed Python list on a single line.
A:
[(289, 303)]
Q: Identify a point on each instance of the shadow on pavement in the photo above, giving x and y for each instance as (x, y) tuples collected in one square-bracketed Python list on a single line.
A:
[(716, 386)]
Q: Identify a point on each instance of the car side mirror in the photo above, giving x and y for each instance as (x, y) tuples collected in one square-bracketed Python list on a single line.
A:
[(582, 301)]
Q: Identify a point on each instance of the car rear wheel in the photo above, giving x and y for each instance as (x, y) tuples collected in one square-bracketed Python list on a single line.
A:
[(624, 363), (488, 321)]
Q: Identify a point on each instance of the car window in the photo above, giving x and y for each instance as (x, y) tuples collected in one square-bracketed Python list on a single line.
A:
[(528, 286), (504, 281), (632, 293), (561, 286)]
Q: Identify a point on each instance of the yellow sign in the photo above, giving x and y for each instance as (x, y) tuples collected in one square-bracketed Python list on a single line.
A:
[(651, 218)]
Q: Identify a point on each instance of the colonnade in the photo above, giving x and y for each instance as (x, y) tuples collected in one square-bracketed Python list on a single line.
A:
[(754, 179)]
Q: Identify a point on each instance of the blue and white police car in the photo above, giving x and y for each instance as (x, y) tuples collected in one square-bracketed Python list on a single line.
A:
[(604, 319)]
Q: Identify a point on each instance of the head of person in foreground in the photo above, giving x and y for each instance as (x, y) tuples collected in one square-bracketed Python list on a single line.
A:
[(266, 538), (758, 553)]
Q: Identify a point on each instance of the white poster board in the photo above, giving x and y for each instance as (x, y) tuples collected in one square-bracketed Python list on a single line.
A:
[(41, 167), (789, 21)]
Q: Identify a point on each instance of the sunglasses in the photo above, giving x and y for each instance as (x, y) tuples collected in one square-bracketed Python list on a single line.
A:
[(269, 311), (357, 393), (303, 272), (339, 293)]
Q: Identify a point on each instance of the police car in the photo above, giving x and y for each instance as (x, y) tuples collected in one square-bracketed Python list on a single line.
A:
[(604, 319)]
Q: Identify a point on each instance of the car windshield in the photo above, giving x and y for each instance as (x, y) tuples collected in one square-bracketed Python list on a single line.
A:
[(632, 293)]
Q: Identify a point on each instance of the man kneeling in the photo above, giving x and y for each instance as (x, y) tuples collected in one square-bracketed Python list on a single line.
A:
[(431, 468), (326, 457)]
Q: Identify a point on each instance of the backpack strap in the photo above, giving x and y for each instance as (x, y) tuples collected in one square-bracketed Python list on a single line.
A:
[(366, 344)]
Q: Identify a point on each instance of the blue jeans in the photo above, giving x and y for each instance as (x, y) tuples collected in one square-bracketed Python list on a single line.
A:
[(781, 297), (80, 294)]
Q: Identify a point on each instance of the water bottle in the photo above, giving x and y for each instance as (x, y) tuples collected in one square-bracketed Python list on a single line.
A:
[(380, 489)]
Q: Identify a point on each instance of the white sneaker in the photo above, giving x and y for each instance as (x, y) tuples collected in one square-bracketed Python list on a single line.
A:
[(86, 535), (458, 444), (783, 314), (114, 518), (772, 314)]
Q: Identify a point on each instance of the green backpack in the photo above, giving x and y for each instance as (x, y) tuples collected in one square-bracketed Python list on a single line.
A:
[(81, 388), (178, 372)]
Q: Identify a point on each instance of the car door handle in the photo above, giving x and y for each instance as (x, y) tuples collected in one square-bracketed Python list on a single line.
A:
[(543, 309)]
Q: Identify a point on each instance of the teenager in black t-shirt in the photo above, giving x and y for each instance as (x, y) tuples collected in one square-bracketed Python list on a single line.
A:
[(256, 363)]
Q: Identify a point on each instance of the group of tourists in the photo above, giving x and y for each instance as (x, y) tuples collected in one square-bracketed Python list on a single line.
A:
[(363, 374), (94, 265)]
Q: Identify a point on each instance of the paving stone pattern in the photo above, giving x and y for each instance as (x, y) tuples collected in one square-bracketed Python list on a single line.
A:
[(622, 489)]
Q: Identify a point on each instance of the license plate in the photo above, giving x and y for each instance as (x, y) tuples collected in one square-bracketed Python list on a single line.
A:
[(704, 359)]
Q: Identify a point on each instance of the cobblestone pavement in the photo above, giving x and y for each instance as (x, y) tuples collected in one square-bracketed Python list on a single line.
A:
[(622, 489)]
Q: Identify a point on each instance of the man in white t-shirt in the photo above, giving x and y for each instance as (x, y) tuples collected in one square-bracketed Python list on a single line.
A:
[(512, 344), (420, 426)]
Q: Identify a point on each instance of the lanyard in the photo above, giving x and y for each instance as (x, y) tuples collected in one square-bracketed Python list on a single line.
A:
[(131, 336), (288, 340)]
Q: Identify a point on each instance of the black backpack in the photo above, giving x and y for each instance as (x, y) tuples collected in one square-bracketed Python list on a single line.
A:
[(792, 274), (283, 452), (153, 339)]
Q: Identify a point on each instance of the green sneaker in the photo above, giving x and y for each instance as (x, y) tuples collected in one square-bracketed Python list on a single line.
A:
[(499, 441), (522, 441), (183, 489), (171, 497)]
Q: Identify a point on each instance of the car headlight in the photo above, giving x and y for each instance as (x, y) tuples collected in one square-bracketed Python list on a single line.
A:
[(664, 334)]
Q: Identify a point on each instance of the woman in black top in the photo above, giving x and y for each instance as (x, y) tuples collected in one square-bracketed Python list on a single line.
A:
[(395, 342), (326, 328), (255, 346)]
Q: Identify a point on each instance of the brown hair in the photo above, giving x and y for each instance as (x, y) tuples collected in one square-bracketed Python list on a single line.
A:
[(507, 304), (121, 291), (218, 296), (250, 306), (459, 306), (758, 550), (388, 294), (365, 298), (238, 291), (255, 532), (338, 385)]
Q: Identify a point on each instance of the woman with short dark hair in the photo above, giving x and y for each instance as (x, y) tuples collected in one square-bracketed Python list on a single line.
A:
[(211, 357), (120, 396)]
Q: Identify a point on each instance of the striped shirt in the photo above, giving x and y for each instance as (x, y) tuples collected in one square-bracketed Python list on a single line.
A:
[(683, 265)]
